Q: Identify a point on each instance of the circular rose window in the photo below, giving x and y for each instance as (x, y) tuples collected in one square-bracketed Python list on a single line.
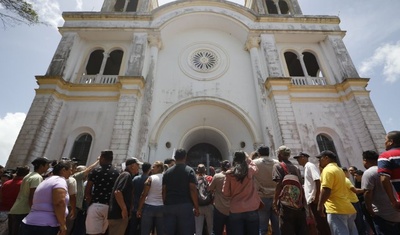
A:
[(203, 61)]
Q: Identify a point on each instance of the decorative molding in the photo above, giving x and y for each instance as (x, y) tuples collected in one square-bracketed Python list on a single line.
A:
[(252, 41), (154, 40), (204, 61)]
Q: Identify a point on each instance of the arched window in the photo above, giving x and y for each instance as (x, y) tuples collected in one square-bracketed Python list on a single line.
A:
[(311, 64), (325, 142), (102, 68), (81, 148), (283, 6), (271, 7), (132, 6), (113, 63), (126, 5), (293, 65), (94, 63)]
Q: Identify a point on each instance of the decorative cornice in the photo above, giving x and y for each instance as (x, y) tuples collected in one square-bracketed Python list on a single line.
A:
[(55, 85), (347, 90), (252, 41), (154, 40)]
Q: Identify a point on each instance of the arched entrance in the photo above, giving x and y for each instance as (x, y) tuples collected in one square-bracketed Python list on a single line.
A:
[(198, 155)]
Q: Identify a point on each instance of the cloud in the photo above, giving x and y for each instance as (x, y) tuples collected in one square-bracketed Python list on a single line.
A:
[(387, 56), (49, 11), (10, 126), (79, 5)]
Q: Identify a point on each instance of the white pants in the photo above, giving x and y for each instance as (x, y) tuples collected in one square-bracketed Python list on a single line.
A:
[(207, 213), (96, 219)]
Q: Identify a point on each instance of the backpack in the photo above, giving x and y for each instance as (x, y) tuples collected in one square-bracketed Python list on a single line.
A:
[(205, 197), (292, 194)]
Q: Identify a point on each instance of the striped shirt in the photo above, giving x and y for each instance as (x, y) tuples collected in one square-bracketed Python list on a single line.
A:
[(389, 165)]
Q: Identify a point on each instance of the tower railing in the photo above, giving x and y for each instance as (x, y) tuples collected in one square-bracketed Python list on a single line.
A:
[(98, 79), (309, 81)]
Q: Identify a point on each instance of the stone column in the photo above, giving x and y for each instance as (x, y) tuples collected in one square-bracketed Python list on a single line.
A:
[(285, 126), (104, 62), (268, 47), (137, 55), (303, 66), (154, 41), (35, 135), (364, 119), (126, 117), (295, 7), (59, 61), (276, 2), (252, 45), (347, 68)]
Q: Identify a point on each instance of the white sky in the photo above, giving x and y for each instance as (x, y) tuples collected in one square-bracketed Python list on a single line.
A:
[(373, 41)]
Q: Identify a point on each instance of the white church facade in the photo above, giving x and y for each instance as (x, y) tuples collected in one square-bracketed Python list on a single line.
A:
[(211, 77)]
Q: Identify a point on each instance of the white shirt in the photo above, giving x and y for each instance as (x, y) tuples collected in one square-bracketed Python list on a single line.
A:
[(311, 173), (154, 196)]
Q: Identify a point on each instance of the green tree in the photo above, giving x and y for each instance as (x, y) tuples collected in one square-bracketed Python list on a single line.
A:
[(15, 12)]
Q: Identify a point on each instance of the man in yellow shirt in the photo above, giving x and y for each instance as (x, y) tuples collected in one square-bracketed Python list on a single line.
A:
[(340, 211)]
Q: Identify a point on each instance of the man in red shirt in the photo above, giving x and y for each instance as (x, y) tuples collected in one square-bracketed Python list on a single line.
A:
[(10, 189), (388, 167), (9, 192)]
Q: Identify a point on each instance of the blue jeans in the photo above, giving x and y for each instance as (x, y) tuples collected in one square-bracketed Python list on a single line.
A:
[(134, 222), (245, 223), (266, 214), (383, 227), (342, 224), (79, 224), (220, 220), (152, 216), (359, 221), (179, 219), (26, 229)]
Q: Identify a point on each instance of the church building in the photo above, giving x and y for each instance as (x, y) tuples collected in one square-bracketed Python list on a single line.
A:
[(209, 76)]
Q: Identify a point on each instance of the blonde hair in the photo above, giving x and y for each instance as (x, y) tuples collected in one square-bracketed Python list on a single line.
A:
[(160, 165)]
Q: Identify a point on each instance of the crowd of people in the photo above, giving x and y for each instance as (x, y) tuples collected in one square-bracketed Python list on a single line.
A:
[(253, 194)]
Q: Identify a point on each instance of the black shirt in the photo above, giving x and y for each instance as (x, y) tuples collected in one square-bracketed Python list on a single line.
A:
[(103, 179), (123, 184), (138, 185), (177, 180)]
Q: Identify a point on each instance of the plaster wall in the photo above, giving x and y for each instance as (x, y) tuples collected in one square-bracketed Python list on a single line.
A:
[(76, 118), (329, 118)]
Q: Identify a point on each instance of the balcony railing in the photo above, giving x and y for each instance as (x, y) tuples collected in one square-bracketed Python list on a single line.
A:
[(309, 81), (98, 79)]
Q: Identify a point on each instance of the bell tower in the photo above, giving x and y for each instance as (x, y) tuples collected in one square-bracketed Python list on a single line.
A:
[(274, 7), (129, 5)]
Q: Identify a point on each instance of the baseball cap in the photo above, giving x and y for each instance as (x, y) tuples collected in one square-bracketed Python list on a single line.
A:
[(132, 160), (283, 149), (301, 154), (40, 160)]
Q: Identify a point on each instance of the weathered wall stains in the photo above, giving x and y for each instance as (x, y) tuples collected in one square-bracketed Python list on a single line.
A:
[(137, 55), (123, 123), (268, 46), (343, 58), (59, 61), (155, 44)]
